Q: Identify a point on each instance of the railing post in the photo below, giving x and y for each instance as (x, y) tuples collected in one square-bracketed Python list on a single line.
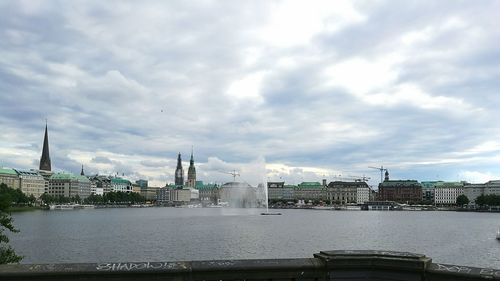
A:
[(374, 265)]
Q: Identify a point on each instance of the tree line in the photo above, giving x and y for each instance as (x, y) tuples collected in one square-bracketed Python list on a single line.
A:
[(15, 196), (108, 198), (488, 200)]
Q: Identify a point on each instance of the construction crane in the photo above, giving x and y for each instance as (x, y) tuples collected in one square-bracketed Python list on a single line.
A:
[(381, 169), (232, 173), (355, 178), (359, 179)]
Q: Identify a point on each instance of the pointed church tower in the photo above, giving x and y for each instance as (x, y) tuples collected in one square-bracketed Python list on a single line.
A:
[(191, 182), (179, 172), (82, 173), (45, 159)]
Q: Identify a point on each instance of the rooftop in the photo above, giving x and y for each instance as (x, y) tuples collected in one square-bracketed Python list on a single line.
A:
[(68, 176), (390, 183), (7, 171), (120, 181)]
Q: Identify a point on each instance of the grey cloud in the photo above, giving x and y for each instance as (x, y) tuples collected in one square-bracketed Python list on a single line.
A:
[(149, 163), (103, 79), (101, 159)]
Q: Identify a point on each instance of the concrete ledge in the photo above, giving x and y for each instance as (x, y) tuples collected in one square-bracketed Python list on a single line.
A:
[(326, 265), (374, 265)]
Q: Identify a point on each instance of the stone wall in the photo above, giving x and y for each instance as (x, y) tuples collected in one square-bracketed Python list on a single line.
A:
[(327, 265)]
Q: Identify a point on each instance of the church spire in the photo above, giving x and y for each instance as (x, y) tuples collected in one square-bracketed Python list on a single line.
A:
[(45, 159), (82, 173), (179, 172), (191, 180), (191, 162)]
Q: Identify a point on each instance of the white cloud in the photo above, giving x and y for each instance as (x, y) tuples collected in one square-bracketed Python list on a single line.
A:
[(296, 22), (247, 88), (314, 87), (361, 76), (477, 177)]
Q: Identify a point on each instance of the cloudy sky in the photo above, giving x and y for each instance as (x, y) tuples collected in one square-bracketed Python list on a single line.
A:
[(291, 90)]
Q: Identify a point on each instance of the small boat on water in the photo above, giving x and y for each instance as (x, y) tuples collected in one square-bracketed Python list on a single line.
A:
[(270, 214), (62, 207), (70, 207)]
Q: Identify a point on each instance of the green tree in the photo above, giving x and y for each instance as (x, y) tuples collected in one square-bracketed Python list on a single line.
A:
[(7, 254), (462, 200), (481, 200), (32, 199)]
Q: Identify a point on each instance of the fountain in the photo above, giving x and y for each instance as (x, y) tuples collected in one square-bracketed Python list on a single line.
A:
[(267, 213)]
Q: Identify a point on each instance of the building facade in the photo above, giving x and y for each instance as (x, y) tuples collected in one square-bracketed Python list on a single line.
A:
[(342, 192), (31, 183), (310, 191), (122, 185), (363, 194), (10, 178), (472, 191), (208, 193), (281, 192), (429, 189), (101, 182), (172, 195), (69, 185), (239, 194), (446, 193), (401, 191)]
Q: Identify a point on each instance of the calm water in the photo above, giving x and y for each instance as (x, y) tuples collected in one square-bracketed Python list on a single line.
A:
[(166, 234)]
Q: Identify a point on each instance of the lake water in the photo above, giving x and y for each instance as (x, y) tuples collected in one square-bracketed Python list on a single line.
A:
[(169, 234)]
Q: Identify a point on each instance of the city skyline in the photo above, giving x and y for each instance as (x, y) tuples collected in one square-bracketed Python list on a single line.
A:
[(304, 90)]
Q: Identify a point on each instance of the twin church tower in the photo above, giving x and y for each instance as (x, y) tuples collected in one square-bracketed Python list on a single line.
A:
[(179, 173), (45, 165)]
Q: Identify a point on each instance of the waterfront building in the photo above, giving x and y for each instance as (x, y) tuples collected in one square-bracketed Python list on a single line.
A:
[(119, 184), (310, 191), (179, 172), (446, 193), (429, 189), (136, 188), (239, 194), (10, 178), (278, 184), (163, 196), (180, 196), (278, 191), (191, 177), (142, 183), (401, 191), (492, 187), (472, 191), (69, 185), (96, 190), (173, 195), (208, 193), (342, 192), (149, 192), (101, 183), (46, 176), (45, 164), (363, 194), (31, 183)]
